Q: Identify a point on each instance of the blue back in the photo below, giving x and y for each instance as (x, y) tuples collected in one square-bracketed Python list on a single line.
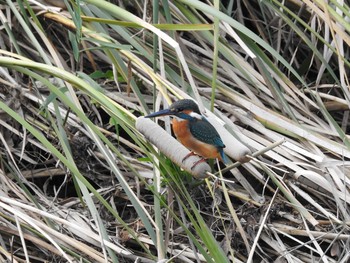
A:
[(205, 132)]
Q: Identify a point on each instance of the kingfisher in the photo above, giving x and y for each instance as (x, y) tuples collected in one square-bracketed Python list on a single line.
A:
[(194, 131)]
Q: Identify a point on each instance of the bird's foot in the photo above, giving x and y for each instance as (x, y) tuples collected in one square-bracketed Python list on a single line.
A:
[(198, 162), (187, 156)]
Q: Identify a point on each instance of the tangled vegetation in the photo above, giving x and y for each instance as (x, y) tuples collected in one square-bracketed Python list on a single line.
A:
[(79, 182)]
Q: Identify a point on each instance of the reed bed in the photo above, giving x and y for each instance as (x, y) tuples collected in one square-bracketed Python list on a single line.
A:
[(79, 182)]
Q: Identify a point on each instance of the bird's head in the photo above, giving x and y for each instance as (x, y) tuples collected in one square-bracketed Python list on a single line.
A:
[(185, 109)]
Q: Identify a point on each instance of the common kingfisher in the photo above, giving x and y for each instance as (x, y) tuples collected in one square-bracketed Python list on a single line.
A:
[(194, 131)]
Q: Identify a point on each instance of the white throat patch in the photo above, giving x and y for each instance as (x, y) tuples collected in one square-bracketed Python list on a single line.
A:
[(195, 115)]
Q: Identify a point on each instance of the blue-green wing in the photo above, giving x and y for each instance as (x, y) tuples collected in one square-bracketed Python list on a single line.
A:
[(203, 131)]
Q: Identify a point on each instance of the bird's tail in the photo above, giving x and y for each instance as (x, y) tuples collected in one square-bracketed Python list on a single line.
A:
[(224, 158)]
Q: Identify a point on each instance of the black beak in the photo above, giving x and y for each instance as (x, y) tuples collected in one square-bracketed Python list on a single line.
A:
[(160, 113)]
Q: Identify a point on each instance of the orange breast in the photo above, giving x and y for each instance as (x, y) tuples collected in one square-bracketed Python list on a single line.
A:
[(182, 133)]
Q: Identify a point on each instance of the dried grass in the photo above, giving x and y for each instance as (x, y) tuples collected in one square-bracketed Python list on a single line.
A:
[(283, 94)]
